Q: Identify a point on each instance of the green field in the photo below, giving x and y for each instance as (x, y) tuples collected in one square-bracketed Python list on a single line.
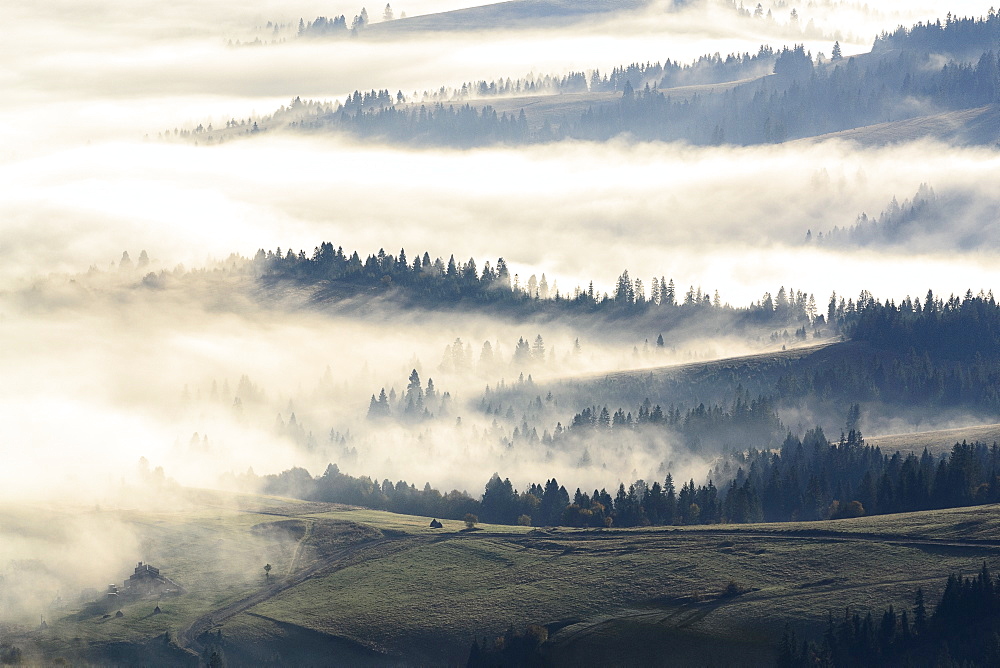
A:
[(367, 587), (436, 595)]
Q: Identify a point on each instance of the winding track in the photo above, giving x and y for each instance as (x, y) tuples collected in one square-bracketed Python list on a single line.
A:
[(188, 638)]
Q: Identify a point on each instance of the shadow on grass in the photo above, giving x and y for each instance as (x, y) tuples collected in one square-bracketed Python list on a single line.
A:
[(295, 645)]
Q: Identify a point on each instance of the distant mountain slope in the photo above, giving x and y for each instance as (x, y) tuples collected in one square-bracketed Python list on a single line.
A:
[(819, 383), (979, 126), (944, 84), (714, 381), (506, 15), (941, 440)]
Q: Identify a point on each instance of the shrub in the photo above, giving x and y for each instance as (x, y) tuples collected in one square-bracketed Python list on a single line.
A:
[(733, 589)]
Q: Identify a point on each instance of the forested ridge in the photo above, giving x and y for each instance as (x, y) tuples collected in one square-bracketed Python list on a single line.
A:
[(961, 328), (932, 354), (930, 351), (899, 79), (422, 282), (918, 354)]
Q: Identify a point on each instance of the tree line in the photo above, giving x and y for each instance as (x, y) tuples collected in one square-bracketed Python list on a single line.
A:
[(713, 428), (437, 283), (337, 26), (961, 631), (807, 479), (961, 329), (812, 479), (919, 221), (706, 69), (749, 422), (954, 36)]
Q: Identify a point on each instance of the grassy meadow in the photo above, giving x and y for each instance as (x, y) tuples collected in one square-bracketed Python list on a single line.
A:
[(371, 587)]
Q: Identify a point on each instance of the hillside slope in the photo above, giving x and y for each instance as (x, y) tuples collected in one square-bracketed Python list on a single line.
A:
[(514, 14), (966, 127), (600, 592), (938, 441), (366, 587)]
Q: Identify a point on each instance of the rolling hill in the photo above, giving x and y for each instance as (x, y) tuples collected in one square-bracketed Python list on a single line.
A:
[(811, 384), (364, 587)]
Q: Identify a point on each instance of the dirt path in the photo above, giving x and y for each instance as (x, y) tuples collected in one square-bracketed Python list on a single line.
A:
[(188, 638), (310, 524)]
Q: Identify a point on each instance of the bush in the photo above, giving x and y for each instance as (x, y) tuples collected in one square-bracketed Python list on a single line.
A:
[(733, 589), (852, 509), (470, 521)]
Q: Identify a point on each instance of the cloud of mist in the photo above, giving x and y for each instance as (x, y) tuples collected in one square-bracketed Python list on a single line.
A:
[(726, 219), (48, 557), (199, 378)]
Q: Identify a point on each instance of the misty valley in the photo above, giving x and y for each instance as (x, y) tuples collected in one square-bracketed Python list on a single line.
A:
[(532, 333)]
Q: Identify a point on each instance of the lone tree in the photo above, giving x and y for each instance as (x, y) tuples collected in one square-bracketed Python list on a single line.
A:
[(267, 572), (470, 521)]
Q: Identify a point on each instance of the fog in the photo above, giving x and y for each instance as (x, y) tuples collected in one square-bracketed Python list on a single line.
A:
[(49, 557), (617, 206), (141, 372)]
